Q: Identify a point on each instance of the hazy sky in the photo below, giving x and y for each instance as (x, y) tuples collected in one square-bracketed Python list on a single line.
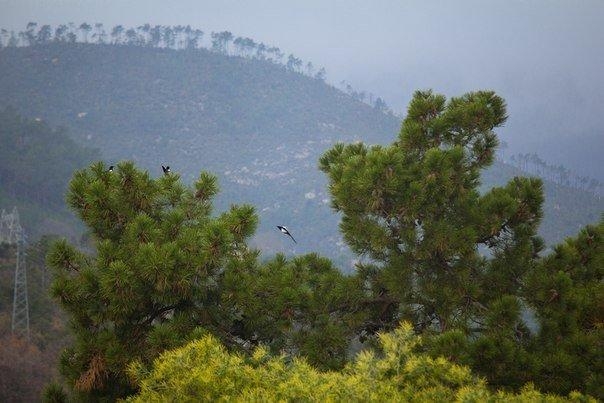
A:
[(546, 57)]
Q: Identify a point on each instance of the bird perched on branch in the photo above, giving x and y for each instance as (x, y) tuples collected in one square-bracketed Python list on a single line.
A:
[(286, 232), (110, 169)]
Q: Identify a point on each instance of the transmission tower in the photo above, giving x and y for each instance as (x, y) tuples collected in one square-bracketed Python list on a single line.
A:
[(20, 324), (12, 233), (10, 229)]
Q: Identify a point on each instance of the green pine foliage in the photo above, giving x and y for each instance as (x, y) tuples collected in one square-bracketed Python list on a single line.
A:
[(157, 273), (413, 209), (563, 352), (304, 306), (464, 266), (204, 370), (566, 291)]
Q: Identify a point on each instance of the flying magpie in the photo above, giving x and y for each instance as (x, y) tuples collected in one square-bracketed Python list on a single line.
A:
[(286, 232), (166, 169), (110, 169)]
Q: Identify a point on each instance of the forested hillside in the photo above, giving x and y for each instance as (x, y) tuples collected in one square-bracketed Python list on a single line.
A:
[(36, 163), (259, 125)]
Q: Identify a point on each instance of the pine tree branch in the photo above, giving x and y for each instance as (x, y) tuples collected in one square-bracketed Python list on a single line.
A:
[(161, 311)]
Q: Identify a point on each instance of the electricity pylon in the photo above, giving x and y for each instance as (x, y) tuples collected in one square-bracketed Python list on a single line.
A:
[(10, 229), (20, 323), (12, 233)]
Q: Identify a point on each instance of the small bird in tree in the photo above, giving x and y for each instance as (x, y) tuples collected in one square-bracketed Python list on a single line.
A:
[(166, 169), (286, 232), (110, 169)]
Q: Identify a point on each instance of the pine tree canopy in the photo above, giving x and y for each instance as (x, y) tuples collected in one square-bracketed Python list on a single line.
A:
[(157, 274), (303, 306), (566, 290), (438, 253), (461, 269)]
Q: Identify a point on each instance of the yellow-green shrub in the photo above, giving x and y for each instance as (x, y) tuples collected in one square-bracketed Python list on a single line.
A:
[(204, 370)]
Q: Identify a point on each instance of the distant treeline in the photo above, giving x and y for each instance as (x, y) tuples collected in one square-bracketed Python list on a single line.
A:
[(158, 36), (175, 37), (559, 174)]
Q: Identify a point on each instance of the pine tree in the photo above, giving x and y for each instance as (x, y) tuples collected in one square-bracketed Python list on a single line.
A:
[(566, 292), (437, 252), (157, 273)]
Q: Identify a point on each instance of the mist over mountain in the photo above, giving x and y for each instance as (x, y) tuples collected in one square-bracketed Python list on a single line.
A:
[(259, 125), (544, 57)]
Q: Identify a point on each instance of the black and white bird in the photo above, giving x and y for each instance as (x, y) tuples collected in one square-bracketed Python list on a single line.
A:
[(166, 169), (286, 232), (110, 169)]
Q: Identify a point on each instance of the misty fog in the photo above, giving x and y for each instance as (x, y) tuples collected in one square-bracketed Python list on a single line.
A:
[(545, 58)]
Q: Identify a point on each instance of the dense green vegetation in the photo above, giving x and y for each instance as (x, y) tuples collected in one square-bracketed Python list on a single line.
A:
[(156, 276), (413, 208), (302, 306), (461, 265), (164, 266), (462, 268), (567, 294)]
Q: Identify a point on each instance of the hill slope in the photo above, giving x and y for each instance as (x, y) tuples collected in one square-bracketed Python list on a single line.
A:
[(259, 126), (36, 163)]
